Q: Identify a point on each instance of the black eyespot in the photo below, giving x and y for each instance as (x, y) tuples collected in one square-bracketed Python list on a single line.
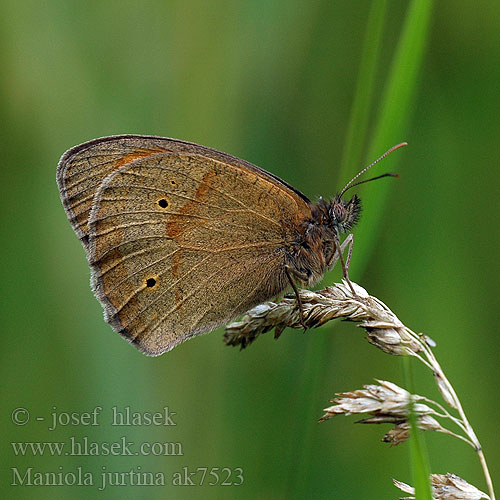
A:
[(173, 183), (150, 282), (163, 203)]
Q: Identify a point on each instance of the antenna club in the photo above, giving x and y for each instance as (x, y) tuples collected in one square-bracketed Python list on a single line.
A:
[(397, 146)]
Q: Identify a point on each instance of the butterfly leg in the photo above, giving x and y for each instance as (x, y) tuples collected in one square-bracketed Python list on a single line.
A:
[(348, 241), (345, 264), (289, 271)]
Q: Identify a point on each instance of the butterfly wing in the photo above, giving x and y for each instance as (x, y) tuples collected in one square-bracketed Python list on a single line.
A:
[(181, 239)]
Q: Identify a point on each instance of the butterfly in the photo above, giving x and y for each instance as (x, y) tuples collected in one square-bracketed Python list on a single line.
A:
[(182, 238)]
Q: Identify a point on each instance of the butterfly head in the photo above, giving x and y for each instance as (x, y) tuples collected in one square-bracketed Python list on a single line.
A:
[(344, 214)]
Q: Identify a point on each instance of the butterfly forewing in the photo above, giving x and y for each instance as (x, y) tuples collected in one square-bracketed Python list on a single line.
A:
[(83, 168), (180, 242)]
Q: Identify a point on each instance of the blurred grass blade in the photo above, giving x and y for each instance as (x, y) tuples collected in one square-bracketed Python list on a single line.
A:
[(300, 469), (362, 104), (418, 455), (394, 117)]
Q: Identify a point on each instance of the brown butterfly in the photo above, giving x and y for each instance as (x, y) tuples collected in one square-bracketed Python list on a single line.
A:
[(182, 238)]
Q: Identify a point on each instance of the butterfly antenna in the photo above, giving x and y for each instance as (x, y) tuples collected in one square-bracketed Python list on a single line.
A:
[(350, 183)]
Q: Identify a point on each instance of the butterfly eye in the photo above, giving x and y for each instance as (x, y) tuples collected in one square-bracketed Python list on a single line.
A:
[(338, 212)]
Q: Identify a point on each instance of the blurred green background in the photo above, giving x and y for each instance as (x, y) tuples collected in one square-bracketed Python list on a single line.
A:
[(272, 82)]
